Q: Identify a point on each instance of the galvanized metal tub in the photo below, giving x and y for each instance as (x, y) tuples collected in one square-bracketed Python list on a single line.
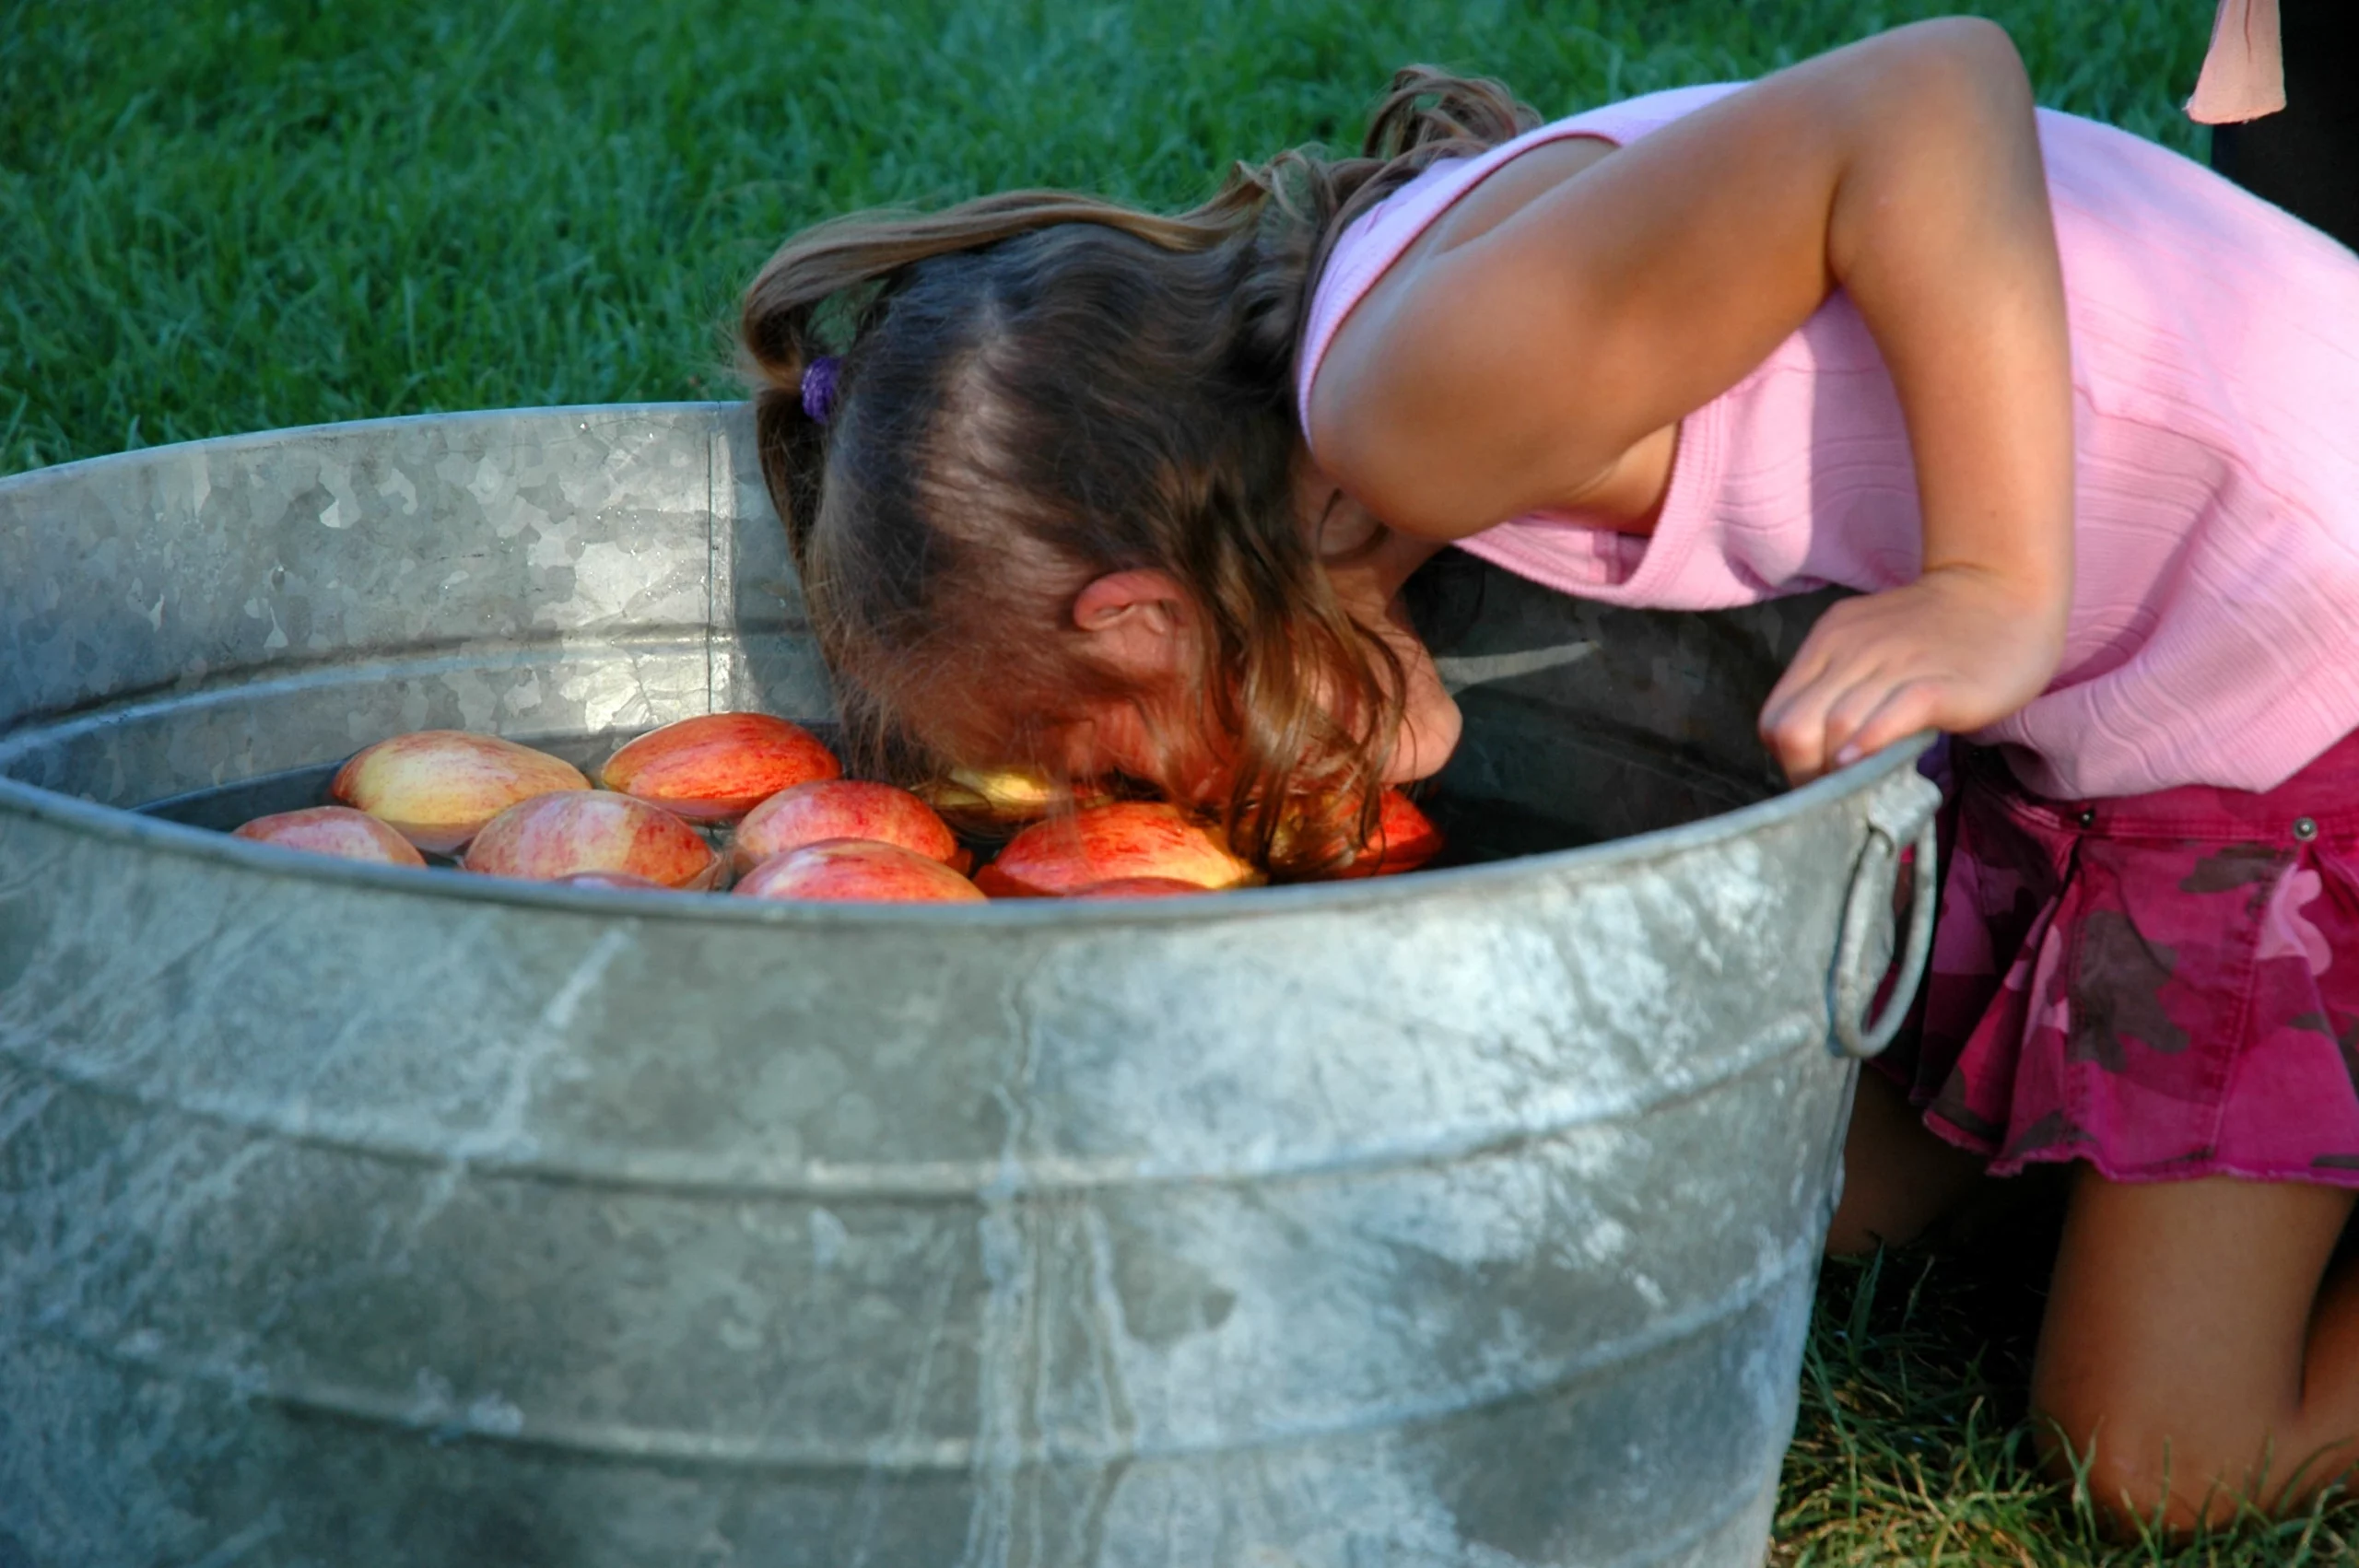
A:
[(368, 1216)]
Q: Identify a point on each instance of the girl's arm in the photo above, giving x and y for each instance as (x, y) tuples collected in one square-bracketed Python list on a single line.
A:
[(1509, 361)]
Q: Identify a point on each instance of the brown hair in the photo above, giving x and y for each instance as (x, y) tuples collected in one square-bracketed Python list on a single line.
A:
[(1037, 388)]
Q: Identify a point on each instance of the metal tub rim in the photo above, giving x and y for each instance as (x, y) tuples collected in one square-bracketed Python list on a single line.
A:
[(133, 829), (154, 834), (606, 412)]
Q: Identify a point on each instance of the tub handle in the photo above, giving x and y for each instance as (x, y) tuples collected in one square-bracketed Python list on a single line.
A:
[(1902, 812)]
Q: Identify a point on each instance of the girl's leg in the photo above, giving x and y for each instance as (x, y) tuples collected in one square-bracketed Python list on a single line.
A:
[(2193, 1325), (1897, 1177)]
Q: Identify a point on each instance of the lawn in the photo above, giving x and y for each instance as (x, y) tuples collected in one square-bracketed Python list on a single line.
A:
[(221, 216)]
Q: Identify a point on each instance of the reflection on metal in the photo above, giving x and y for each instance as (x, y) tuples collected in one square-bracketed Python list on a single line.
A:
[(1482, 669), (380, 1217)]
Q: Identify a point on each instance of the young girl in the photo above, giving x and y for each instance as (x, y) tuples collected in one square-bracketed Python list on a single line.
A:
[(1119, 493)]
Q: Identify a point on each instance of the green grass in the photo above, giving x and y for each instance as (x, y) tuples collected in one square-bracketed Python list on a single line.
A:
[(223, 217), (1915, 1445)]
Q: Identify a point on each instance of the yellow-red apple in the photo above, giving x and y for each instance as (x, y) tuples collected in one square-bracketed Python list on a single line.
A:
[(1101, 844), (857, 871), (1003, 798), (436, 788), (841, 808), (340, 831), (561, 836), (720, 765)]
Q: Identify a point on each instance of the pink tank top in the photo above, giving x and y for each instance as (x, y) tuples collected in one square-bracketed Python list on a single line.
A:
[(2214, 629)]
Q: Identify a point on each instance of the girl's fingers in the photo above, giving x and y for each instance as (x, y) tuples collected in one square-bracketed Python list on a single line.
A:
[(1905, 710), (1879, 668), (1798, 737), (1825, 665), (1819, 717), (1845, 715), (1819, 653), (1782, 696), (1837, 720), (1792, 730)]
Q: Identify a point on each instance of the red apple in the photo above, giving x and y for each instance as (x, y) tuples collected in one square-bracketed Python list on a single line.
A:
[(340, 831), (1404, 839), (563, 836), (436, 788), (718, 767), (1141, 888), (857, 871), (1100, 844), (841, 808)]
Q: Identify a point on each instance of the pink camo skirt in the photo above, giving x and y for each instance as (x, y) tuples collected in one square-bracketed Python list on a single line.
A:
[(2165, 986)]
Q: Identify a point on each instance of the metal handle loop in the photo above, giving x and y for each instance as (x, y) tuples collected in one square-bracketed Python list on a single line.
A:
[(1903, 812)]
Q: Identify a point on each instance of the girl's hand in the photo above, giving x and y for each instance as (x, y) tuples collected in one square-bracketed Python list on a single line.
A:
[(1958, 649)]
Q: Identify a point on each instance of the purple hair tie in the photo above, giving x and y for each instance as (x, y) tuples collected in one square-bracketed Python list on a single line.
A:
[(819, 387)]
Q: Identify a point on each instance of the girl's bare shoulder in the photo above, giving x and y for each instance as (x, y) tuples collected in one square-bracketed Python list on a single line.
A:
[(1504, 191)]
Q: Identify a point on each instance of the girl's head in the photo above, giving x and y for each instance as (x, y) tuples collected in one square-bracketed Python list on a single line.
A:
[(1058, 513)]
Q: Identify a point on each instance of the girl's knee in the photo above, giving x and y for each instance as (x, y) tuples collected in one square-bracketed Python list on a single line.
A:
[(2128, 1472), (2148, 1454), (2176, 1385)]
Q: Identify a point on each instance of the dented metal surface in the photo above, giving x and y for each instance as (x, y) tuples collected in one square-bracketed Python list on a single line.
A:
[(372, 1216)]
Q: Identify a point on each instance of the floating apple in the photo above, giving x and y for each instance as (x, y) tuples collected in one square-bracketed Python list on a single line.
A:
[(436, 788), (1006, 794), (560, 835), (857, 871), (1001, 797), (1405, 838), (340, 831), (842, 808), (1402, 839), (1141, 888), (718, 766), (1104, 843)]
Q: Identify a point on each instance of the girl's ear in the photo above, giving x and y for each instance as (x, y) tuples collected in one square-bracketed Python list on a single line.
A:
[(1136, 622)]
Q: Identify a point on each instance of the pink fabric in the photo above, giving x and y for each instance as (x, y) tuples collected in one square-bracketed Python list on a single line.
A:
[(2214, 630), (2244, 75), (2166, 987)]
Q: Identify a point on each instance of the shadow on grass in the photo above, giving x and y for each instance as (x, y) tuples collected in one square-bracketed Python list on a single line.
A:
[(1915, 1443)]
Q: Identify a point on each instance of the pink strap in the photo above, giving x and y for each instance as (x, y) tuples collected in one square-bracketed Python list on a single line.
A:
[(2243, 76)]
